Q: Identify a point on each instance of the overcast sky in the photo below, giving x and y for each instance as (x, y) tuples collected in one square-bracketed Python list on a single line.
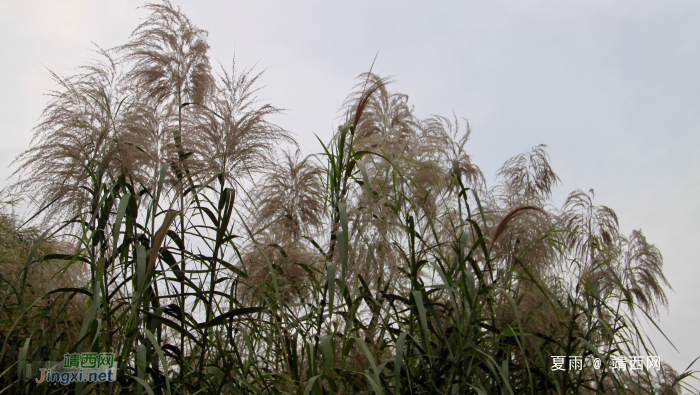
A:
[(612, 88)]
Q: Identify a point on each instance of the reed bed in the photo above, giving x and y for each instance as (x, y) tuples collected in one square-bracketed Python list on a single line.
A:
[(173, 231)]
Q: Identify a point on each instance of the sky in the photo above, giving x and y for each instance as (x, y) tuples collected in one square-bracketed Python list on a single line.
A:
[(611, 87)]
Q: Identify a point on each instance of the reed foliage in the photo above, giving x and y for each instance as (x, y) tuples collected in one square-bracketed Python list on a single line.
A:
[(210, 264)]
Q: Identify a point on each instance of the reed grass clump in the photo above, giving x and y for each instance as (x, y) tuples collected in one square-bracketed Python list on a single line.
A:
[(211, 263)]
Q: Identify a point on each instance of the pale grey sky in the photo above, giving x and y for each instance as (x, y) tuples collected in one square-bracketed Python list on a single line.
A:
[(612, 87)]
